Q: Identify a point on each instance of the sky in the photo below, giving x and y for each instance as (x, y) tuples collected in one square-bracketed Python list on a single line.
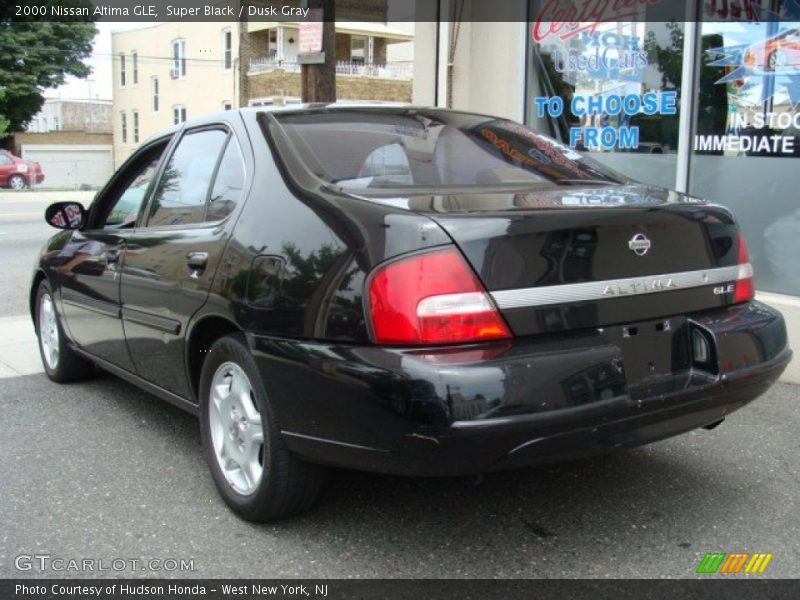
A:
[(98, 84)]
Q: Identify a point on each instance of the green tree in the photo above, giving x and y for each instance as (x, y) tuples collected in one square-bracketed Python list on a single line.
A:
[(3, 121), (35, 55)]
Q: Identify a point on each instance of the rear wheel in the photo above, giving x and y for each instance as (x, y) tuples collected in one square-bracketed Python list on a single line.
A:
[(60, 361), (17, 182), (252, 468)]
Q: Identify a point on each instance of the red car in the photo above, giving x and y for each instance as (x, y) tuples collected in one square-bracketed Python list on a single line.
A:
[(17, 173), (776, 53)]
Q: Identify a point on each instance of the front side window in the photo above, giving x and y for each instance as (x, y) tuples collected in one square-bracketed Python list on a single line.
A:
[(183, 190), (380, 150), (123, 211), (122, 69), (178, 59)]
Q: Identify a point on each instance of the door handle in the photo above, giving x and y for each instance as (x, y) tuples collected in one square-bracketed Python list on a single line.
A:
[(197, 263)]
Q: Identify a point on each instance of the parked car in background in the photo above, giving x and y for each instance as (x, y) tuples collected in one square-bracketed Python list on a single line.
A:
[(17, 173), (403, 290), (778, 53)]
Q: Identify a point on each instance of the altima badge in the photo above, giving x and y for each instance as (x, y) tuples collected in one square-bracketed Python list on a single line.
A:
[(640, 244)]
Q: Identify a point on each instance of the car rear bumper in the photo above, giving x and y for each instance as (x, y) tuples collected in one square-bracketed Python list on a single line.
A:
[(481, 408)]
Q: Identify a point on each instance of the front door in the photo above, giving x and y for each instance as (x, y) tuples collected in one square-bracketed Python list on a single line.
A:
[(89, 274), (170, 262)]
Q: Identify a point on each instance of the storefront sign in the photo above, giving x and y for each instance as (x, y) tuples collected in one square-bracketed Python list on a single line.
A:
[(607, 137), (566, 20)]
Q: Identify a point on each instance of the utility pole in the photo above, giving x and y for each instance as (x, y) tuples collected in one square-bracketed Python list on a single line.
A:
[(318, 78)]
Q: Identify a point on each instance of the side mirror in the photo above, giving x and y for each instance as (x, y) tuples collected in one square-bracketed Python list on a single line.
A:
[(65, 215)]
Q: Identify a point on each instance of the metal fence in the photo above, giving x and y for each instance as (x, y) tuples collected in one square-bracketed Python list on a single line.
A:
[(403, 70)]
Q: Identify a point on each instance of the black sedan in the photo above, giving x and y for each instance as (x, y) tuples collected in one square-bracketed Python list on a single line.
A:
[(402, 290)]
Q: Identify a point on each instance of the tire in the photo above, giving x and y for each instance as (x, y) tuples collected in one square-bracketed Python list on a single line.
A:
[(17, 182), (253, 470), (776, 60), (61, 363)]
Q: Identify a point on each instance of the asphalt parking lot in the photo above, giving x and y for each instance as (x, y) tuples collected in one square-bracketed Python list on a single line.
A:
[(101, 470)]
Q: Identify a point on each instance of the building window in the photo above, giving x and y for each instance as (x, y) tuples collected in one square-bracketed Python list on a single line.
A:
[(358, 49), (226, 105), (154, 86), (227, 49), (178, 114), (178, 59), (135, 116), (135, 66), (121, 69), (123, 120)]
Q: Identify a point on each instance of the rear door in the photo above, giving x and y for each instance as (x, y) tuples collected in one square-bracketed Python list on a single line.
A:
[(170, 262)]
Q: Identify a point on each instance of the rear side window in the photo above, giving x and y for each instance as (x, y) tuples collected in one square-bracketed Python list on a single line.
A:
[(183, 189), (229, 183)]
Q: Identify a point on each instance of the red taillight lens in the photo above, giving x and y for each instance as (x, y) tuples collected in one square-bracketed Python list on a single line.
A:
[(432, 298), (744, 289)]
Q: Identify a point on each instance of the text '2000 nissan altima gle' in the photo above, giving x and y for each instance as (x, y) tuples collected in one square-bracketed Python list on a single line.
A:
[(401, 290)]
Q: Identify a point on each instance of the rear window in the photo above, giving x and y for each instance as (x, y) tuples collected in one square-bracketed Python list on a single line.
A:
[(411, 149)]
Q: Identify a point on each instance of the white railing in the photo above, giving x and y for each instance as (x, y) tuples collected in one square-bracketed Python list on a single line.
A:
[(392, 70)]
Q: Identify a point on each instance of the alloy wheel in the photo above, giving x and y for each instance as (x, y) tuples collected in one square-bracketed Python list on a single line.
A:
[(237, 433), (16, 183), (48, 331)]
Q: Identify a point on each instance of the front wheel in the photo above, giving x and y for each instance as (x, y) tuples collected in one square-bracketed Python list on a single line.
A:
[(60, 361), (252, 468), (17, 182)]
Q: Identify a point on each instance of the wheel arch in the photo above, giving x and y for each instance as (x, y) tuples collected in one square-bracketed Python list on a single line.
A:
[(38, 277), (201, 336)]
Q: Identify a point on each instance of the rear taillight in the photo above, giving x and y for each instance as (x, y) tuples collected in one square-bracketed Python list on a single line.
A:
[(744, 289), (432, 298)]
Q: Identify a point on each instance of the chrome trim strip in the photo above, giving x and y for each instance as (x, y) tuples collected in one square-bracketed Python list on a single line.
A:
[(613, 288)]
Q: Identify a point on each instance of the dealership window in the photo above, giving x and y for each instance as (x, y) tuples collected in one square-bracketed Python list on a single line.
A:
[(611, 89), (135, 67), (748, 137), (178, 59), (135, 118), (178, 114), (227, 48), (154, 93), (121, 69), (123, 122)]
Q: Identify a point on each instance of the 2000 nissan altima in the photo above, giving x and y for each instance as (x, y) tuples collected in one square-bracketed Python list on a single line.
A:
[(403, 290)]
